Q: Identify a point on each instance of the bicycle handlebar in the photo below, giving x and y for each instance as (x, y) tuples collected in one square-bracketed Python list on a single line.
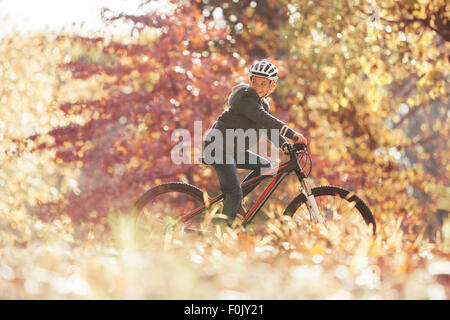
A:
[(295, 147)]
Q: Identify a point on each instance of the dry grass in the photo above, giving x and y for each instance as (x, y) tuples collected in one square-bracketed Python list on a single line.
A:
[(279, 258)]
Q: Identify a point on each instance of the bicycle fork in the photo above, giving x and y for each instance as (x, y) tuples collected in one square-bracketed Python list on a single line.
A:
[(310, 201)]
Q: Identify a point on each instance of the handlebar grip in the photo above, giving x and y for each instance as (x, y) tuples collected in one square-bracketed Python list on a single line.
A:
[(293, 147), (296, 139), (300, 145)]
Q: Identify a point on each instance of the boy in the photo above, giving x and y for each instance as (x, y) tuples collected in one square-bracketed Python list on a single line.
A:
[(248, 110)]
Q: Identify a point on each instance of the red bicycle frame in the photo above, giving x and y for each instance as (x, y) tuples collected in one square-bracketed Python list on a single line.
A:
[(279, 174)]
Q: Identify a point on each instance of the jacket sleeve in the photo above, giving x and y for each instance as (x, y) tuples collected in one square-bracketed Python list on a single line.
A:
[(247, 105), (277, 142)]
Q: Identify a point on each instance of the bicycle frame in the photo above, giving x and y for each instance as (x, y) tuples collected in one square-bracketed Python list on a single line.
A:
[(279, 173)]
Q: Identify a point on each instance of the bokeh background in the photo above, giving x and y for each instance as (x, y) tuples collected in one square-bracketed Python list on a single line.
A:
[(90, 92)]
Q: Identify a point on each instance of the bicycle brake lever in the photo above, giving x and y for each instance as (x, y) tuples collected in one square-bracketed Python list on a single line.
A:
[(300, 146)]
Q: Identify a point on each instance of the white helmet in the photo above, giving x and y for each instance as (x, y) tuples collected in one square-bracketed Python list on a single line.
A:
[(264, 69)]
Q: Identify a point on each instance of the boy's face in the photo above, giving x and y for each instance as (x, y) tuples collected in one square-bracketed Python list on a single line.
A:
[(262, 86)]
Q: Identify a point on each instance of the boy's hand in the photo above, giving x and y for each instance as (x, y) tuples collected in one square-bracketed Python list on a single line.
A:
[(298, 137)]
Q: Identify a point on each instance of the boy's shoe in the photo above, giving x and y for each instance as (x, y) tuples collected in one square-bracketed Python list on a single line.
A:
[(225, 221), (222, 221), (237, 224)]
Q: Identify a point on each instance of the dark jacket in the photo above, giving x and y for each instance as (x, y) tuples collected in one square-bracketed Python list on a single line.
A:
[(248, 111)]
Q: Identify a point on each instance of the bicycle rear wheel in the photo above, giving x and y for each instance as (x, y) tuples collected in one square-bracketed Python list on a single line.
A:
[(342, 210), (163, 206)]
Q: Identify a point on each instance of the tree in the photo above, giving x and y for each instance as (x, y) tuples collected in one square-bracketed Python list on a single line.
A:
[(367, 84), (31, 88), (373, 86), (143, 93)]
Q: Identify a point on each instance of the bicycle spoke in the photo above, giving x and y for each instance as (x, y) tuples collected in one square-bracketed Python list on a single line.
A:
[(164, 212), (341, 217)]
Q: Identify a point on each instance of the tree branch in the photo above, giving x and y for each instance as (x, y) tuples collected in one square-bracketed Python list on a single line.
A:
[(411, 112), (445, 34)]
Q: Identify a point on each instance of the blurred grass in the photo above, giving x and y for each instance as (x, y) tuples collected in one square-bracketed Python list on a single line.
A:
[(281, 258)]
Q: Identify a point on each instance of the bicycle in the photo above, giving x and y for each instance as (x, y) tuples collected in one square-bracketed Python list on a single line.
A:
[(190, 202)]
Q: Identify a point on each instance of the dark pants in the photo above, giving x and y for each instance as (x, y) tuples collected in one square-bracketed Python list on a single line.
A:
[(229, 181)]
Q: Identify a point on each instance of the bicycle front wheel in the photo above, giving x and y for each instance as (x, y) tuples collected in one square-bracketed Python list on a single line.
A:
[(164, 206), (341, 209)]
